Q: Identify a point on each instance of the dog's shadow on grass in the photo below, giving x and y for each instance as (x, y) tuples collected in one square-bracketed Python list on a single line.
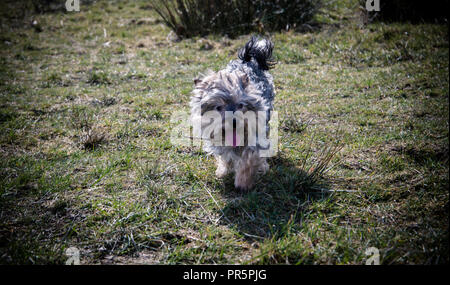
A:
[(277, 204)]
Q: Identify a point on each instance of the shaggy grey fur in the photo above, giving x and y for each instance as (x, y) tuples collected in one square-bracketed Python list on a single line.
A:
[(244, 85)]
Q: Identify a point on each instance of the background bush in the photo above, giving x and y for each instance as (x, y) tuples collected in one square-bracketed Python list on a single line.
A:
[(199, 17), (413, 11)]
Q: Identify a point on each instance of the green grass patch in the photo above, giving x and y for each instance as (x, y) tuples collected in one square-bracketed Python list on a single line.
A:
[(86, 158)]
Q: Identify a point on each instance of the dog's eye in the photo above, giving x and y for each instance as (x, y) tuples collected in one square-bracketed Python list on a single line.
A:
[(240, 106), (219, 108)]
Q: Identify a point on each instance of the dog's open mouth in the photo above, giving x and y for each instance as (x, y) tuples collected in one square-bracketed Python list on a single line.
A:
[(232, 138)]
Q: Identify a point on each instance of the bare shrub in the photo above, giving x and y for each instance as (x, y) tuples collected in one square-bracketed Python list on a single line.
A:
[(199, 17)]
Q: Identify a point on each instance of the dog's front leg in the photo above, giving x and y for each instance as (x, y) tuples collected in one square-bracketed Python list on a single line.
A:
[(246, 169), (222, 167)]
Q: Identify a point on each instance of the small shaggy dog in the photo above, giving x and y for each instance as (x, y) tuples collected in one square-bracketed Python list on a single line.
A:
[(230, 111)]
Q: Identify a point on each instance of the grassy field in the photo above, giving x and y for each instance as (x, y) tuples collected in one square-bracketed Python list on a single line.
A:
[(86, 159)]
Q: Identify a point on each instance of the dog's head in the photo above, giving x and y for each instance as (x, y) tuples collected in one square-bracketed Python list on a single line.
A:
[(229, 102)]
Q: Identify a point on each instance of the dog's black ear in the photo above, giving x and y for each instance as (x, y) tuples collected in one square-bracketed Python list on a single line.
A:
[(197, 81)]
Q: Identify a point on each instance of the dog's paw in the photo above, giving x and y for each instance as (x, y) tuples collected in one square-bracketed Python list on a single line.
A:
[(243, 181), (221, 172), (222, 167)]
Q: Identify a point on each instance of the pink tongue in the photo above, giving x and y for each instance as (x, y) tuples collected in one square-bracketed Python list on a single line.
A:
[(233, 139)]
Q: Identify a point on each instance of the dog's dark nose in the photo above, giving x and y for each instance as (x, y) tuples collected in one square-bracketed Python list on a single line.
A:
[(231, 107)]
